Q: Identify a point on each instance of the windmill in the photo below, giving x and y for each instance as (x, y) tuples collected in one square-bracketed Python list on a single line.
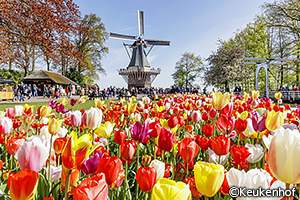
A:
[(139, 74)]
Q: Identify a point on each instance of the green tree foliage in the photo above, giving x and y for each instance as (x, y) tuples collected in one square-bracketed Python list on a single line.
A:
[(225, 66), (90, 43), (13, 75), (75, 76), (187, 69)]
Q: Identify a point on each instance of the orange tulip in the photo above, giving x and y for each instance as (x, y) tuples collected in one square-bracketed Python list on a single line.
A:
[(59, 144), (76, 151), (13, 144), (23, 184), (220, 100)]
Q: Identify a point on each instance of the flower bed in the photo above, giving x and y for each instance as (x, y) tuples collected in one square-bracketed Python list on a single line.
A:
[(179, 147)]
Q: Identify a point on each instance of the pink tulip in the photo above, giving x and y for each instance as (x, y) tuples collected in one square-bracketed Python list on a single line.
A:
[(32, 155), (196, 116), (6, 125), (75, 118), (9, 112)]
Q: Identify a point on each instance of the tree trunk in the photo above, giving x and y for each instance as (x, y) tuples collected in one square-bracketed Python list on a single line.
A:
[(26, 71), (33, 59), (10, 64)]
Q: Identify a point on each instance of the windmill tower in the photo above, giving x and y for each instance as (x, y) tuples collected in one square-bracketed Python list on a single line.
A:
[(138, 73)]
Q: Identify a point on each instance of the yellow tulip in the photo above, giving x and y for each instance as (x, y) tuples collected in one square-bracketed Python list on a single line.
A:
[(274, 120), (208, 178), (131, 107), (82, 99), (45, 111), (278, 95), (99, 104), (63, 101), (255, 94), (133, 98), (2, 114), (258, 135), (171, 190), (54, 126), (246, 96), (220, 100), (105, 130)]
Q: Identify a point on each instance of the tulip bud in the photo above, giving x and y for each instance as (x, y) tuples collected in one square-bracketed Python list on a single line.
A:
[(196, 116), (75, 118)]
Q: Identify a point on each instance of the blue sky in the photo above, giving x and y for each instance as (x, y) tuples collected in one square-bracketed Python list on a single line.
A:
[(192, 26)]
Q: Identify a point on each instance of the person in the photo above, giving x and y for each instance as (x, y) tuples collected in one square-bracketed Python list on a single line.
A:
[(28, 92), (56, 92), (35, 91), (204, 90), (16, 93), (21, 90), (45, 91), (69, 91)]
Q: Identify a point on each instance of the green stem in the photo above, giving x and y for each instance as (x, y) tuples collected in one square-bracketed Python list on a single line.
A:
[(93, 141), (137, 167), (206, 198), (11, 161), (219, 160), (187, 169), (49, 175), (5, 141), (238, 142), (146, 195), (125, 180), (107, 146), (154, 151), (287, 187), (163, 155), (67, 186)]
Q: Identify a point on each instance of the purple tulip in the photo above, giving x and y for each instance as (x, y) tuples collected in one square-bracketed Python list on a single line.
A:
[(258, 122), (90, 165), (53, 104), (73, 102), (60, 109), (139, 132)]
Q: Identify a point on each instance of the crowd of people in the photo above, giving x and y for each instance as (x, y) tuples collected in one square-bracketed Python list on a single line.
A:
[(24, 92)]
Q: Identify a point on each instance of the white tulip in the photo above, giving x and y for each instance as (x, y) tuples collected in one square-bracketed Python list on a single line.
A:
[(160, 168), (249, 130), (267, 140), (18, 110), (257, 152), (214, 158)]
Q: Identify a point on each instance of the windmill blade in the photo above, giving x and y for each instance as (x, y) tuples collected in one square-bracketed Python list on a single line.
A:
[(157, 42), (121, 36), (141, 22)]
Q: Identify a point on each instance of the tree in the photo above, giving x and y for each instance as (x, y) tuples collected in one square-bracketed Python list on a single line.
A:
[(285, 14), (48, 25), (187, 69), (90, 44), (225, 65), (75, 76)]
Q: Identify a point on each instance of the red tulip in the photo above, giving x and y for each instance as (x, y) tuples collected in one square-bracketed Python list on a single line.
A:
[(181, 120), (173, 121), (120, 136), (241, 124), (176, 110), (146, 178), (16, 123), (188, 128), (225, 124), (111, 167), (227, 110), (92, 188), (239, 154), (203, 142), (13, 144), (191, 182), (225, 186), (212, 113), (128, 149), (23, 184), (59, 144), (155, 129), (188, 149), (208, 130), (205, 117), (220, 145), (165, 140)]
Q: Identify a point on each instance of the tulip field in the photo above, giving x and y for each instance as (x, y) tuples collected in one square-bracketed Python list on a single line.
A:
[(167, 147)]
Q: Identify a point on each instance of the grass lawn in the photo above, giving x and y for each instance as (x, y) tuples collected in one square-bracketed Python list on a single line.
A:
[(86, 105)]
